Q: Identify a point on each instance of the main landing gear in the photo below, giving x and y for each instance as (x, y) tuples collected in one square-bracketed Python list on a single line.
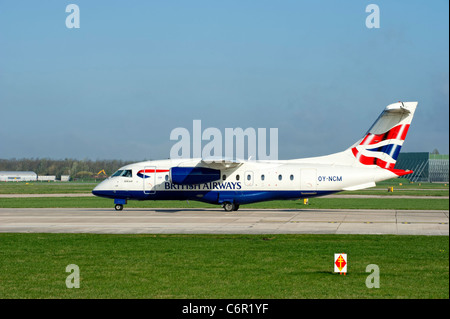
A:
[(229, 206), (118, 207)]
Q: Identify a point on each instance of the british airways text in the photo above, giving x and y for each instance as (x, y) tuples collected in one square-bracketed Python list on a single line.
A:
[(210, 185)]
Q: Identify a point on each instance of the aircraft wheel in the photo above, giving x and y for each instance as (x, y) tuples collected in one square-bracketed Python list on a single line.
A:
[(118, 207), (236, 207), (228, 206)]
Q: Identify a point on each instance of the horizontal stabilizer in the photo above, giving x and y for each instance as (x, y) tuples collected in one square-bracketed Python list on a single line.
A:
[(401, 172)]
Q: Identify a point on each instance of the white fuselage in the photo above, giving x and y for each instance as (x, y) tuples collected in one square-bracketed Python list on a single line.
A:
[(248, 183)]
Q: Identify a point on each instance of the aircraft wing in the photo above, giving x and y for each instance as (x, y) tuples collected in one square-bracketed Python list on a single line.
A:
[(201, 170), (220, 163), (213, 163)]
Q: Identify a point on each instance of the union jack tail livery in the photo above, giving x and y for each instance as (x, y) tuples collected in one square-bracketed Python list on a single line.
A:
[(382, 143)]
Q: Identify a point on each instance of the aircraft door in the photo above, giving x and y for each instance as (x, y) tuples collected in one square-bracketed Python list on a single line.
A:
[(308, 180), (148, 180)]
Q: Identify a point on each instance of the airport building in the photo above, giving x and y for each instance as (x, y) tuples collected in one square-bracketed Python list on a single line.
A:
[(11, 176), (46, 178), (432, 168)]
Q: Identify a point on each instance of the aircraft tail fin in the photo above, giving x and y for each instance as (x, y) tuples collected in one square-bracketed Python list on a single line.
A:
[(381, 144)]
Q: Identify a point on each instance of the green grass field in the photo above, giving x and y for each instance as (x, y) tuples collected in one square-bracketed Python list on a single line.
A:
[(46, 187), (222, 266)]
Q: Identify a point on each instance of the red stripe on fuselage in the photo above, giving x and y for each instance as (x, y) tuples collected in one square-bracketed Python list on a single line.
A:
[(153, 171)]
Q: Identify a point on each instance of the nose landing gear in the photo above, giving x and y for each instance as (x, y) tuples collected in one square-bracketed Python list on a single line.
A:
[(119, 203)]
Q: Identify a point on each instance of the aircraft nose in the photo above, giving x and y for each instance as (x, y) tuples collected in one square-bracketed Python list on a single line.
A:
[(95, 190), (99, 189)]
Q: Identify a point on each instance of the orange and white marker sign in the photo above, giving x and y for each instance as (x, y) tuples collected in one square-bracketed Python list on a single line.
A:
[(340, 263)]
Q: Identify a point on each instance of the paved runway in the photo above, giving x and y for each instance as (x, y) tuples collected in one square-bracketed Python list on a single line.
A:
[(217, 221)]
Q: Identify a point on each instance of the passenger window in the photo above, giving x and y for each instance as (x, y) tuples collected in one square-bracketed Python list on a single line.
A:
[(262, 177), (292, 177), (280, 177), (249, 177), (224, 177), (167, 178), (237, 177)]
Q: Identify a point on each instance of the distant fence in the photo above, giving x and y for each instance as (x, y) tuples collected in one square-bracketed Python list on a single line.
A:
[(432, 168)]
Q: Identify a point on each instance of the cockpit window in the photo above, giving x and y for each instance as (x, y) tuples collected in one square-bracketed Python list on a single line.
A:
[(127, 173), (118, 173), (123, 173)]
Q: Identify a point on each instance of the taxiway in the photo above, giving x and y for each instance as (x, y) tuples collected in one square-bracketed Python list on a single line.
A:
[(217, 221)]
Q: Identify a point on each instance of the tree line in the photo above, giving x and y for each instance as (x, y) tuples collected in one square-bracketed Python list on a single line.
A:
[(74, 168)]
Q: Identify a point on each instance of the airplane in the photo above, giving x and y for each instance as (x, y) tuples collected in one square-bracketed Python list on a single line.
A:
[(231, 183)]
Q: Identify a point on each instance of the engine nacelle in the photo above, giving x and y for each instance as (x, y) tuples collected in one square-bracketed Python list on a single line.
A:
[(193, 175)]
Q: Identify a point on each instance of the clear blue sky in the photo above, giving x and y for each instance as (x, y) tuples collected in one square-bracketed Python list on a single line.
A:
[(116, 87)]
